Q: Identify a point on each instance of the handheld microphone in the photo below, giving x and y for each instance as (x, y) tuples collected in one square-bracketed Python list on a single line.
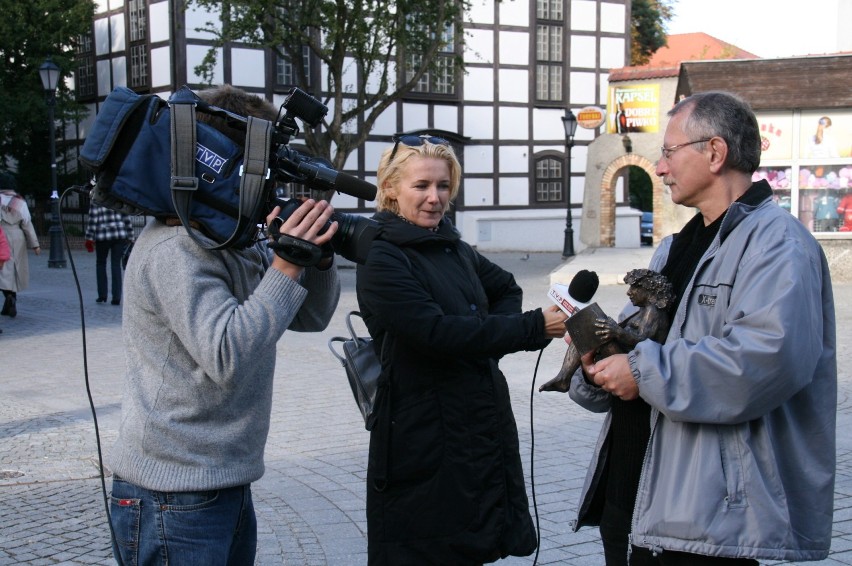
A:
[(577, 294)]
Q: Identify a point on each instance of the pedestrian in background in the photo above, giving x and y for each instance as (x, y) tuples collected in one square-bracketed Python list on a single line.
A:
[(735, 459), (5, 252), (16, 222), (108, 233)]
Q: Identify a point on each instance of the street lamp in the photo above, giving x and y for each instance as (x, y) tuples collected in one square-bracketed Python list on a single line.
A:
[(49, 73), (569, 121)]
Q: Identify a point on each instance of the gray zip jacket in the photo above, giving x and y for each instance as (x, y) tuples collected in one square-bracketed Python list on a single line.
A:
[(741, 459)]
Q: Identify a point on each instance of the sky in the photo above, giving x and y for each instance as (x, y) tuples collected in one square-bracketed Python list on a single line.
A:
[(769, 28)]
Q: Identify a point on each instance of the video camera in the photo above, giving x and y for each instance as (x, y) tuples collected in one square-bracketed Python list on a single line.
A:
[(211, 182)]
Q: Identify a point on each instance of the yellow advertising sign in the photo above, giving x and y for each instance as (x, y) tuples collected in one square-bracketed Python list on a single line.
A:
[(633, 108)]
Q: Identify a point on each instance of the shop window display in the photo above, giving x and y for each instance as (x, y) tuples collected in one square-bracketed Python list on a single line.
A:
[(824, 194), (822, 189), (844, 210)]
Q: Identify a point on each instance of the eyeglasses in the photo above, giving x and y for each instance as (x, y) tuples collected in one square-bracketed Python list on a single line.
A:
[(414, 141), (668, 151)]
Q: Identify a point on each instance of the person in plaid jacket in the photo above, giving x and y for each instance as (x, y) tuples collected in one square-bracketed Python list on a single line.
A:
[(108, 233)]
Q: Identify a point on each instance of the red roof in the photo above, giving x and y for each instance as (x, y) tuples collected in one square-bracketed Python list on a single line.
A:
[(665, 63), (695, 47)]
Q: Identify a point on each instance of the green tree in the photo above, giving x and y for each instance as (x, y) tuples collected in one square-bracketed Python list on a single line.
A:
[(377, 39), (648, 28), (30, 32)]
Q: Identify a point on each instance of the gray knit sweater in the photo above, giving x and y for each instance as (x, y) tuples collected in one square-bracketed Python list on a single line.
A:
[(200, 331)]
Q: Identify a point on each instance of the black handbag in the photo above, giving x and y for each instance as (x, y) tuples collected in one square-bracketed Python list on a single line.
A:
[(363, 369), (125, 257)]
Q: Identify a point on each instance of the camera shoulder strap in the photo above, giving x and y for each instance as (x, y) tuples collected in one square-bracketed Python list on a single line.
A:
[(254, 172)]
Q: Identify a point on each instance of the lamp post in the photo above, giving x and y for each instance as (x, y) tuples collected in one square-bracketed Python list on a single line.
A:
[(569, 121), (49, 73)]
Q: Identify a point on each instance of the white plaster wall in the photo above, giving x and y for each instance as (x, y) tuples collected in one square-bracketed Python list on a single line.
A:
[(515, 13), (514, 85), (481, 11), (478, 192), (385, 124), (414, 116), (547, 124), (102, 68), (479, 46), (479, 85), (446, 118), (612, 53), (583, 88), (159, 21), (513, 123), (514, 191), (583, 51), (102, 38), (161, 67), (514, 48), (583, 15), (613, 17), (247, 68), (119, 71), (196, 17), (513, 159), (532, 230), (479, 122), (194, 56), (478, 159)]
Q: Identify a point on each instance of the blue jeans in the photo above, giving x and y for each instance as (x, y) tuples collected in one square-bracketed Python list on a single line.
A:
[(114, 249), (201, 527)]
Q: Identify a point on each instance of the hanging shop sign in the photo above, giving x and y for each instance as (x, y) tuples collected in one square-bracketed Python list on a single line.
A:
[(591, 117)]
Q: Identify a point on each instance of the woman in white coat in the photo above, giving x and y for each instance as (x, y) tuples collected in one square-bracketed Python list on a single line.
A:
[(17, 224)]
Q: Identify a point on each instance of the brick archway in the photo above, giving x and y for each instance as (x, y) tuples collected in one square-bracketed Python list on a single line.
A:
[(607, 220)]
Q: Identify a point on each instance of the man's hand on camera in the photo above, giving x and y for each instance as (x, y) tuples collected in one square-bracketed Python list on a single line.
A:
[(305, 223)]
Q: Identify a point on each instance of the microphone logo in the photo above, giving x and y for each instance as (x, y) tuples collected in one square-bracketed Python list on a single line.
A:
[(573, 297)]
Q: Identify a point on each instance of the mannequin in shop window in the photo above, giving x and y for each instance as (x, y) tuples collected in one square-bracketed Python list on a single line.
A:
[(826, 216), (844, 209)]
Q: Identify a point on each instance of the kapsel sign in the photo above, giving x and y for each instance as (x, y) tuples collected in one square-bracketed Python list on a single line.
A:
[(591, 117)]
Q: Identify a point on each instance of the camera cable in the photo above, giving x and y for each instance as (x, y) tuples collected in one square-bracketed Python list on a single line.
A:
[(532, 459), (84, 190)]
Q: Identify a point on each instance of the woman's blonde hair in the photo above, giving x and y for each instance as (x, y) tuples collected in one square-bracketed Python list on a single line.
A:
[(390, 170)]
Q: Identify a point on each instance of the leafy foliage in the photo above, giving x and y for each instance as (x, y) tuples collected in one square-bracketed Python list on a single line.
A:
[(648, 31), (362, 45), (30, 32)]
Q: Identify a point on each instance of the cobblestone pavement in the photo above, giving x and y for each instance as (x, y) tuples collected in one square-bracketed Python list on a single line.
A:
[(310, 502)]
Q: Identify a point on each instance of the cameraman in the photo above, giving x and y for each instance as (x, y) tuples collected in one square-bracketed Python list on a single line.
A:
[(200, 331)]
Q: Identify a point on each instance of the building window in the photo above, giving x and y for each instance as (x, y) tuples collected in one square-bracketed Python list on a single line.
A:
[(84, 79), (285, 72), (137, 18), (138, 66), (548, 180), (442, 78), (549, 38)]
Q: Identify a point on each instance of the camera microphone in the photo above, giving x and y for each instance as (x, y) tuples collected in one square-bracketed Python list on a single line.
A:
[(323, 178), (318, 174), (577, 294)]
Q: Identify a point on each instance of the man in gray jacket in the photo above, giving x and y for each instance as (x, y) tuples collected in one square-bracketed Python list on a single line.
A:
[(739, 457), (200, 332)]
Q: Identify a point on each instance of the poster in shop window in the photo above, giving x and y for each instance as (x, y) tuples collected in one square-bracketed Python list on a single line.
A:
[(825, 134)]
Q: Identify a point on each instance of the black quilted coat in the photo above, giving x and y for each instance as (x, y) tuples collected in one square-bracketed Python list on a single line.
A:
[(445, 483)]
